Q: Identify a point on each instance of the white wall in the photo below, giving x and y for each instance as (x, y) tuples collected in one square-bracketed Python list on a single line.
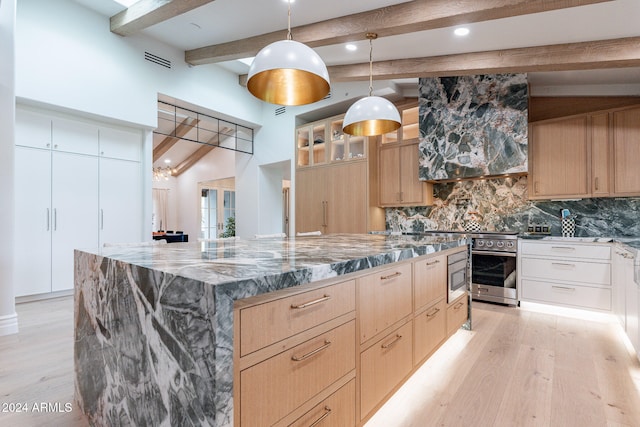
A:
[(8, 318)]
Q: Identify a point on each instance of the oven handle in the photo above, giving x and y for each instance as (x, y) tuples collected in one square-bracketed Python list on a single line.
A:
[(507, 254)]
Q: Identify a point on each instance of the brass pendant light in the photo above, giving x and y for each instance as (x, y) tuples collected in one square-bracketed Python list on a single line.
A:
[(372, 115), (287, 72)]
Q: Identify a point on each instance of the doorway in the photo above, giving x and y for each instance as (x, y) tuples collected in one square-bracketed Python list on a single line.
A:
[(217, 208)]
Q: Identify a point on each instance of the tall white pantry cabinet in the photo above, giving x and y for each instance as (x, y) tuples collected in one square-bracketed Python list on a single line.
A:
[(78, 184)]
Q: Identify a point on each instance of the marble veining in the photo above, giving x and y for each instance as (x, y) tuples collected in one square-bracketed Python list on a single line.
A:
[(472, 126), (154, 324)]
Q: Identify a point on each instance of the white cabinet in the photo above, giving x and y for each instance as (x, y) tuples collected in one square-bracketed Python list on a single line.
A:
[(68, 197), (626, 295), (565, 273), (120, 201)]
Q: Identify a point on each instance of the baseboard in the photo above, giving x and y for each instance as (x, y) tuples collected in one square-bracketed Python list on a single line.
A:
[(9, 324)]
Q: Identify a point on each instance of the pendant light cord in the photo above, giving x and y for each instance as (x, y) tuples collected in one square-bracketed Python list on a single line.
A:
[(371, 37), (289, 37)]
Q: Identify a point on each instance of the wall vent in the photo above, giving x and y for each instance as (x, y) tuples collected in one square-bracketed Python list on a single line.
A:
[(281, 110), (157, 60)]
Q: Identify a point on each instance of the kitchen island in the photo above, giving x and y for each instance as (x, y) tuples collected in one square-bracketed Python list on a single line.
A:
[(154, 324)]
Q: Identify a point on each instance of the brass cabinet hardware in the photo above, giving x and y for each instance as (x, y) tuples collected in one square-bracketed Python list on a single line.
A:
[(327, 412), (391, 276), (458, 305), (395, 339), (310, 303), (434, 262), (312, 352), (433, 313)]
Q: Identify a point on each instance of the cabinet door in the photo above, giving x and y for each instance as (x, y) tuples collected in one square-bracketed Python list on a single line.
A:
[(32, 129), (632, 309), (411, 188), (389, 172), (120, 143), (559, 159), (619, 287), (311, 210), (74, 137), (626, 146), (600, 155), (430, 329), (75, 213), (429, 280), (347, 198), (32, 226), (120, 201)]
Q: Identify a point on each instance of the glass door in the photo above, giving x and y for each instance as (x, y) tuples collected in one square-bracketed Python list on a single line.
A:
[(217, 213)]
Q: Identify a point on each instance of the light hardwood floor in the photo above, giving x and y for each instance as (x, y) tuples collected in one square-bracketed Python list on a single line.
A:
[(516, 368)]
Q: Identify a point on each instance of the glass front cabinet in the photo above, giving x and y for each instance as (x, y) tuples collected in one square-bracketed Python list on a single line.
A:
[(324, 142)]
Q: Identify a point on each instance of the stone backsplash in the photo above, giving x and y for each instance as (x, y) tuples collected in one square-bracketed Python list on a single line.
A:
[(473, 126), (501, 204)]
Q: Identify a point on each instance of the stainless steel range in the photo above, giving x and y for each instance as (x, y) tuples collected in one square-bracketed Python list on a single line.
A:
[(493, 267)]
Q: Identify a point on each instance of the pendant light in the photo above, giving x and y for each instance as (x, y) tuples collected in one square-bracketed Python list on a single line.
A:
[(372, 115), (287, 72)]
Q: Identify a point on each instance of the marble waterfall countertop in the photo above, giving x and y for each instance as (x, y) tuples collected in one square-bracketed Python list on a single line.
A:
[(154, 324)]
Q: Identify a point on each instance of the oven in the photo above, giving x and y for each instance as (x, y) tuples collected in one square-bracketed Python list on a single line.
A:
[(458, 277), (494, 268)]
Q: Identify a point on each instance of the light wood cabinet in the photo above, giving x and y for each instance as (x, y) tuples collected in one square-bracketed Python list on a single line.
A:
[(590, 155), (384, 298), (383, 366), (429, 280), (430, 330), (399, 182), (338, 410), (558, 154), (457, 314), (311, 145)]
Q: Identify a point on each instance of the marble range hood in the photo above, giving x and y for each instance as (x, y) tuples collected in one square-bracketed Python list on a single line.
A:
[(473, 126)]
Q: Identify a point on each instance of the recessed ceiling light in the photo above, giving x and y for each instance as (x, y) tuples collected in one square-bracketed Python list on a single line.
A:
[(167, 161), (462, 31), (351, 47)]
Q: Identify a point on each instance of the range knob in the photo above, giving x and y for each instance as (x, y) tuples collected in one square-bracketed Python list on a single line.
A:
[(500, 244), (489, 244), (479, 243), (511, 245)]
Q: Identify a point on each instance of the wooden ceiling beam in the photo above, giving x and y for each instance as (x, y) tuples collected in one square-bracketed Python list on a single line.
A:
[(181, 130), (615, 53), (404, 18), (199, 153), (145, 13)]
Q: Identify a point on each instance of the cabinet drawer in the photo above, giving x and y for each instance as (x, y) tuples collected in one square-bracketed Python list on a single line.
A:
[(429, 328), (429, 280), (288, 316), (383, 366), (566, 250), (385, 298), (273, 388), (338, 410), (570, 295), (573, 271), (457, 314)]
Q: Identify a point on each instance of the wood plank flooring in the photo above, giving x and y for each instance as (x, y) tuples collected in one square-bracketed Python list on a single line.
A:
[(516, 368)]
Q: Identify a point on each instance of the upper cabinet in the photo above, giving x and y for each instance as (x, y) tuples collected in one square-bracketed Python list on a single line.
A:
[(590, 155), (409, 130), (323, 142)]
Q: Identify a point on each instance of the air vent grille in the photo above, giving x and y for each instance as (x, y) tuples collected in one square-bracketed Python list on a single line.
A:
[(157, 60), (281, 110)]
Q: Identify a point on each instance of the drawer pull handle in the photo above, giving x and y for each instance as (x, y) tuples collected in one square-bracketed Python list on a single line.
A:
[(434, 262), (566, 248), (311, 353), (458, 305), (310, 303), (391, 276), (433, 313), (563, 264), (481, 289), (395, 339), (327, 412), (564, 288)]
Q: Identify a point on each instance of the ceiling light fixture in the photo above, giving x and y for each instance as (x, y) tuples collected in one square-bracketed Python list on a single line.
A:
[(351, 47), (287, 72), (462, 31), (372, 115)]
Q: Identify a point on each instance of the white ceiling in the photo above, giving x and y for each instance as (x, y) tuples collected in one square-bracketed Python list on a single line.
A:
[(227, 20)]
